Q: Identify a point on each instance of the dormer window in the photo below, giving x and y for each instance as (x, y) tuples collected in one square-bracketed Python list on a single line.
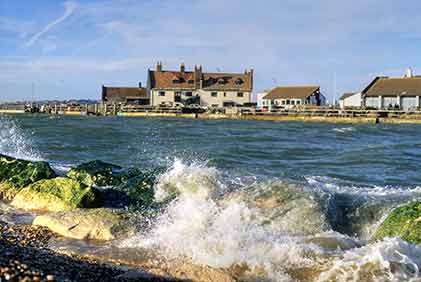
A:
[(177, 80), (191, 81), (221, 81), (238, 81)]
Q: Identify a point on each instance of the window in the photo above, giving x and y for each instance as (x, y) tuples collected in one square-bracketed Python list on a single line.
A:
[(214, 94), (240, 94), (298, 102), (283, 102), (161, 93), (225, 94), (221, 81), (293, 102), (288, 102), (189, 94), (239, 81)]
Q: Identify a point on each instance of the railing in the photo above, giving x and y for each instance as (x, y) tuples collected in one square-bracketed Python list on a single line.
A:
[(115, 109)]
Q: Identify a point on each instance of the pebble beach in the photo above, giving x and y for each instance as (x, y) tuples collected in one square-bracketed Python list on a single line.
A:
[(26, 257)]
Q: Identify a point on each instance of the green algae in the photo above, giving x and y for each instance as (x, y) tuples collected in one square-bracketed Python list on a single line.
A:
[(57, 194), (97, 173), (20, 173), (404, 222)]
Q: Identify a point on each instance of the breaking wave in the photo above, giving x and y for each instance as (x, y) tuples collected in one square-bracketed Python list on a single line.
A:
[(275, 231), (16, 142)]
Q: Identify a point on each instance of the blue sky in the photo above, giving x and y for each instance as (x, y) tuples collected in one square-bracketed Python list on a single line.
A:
[(68, 49)]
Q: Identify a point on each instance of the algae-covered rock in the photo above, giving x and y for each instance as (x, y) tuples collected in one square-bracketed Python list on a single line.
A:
[(404, 222), (16, 174), (97, 173), (57, 194), (139, 189), (94, 224)]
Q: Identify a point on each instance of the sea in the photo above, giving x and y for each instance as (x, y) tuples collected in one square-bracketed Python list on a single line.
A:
[(262, 200)]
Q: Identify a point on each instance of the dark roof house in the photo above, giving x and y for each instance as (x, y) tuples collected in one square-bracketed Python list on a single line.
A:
[(124, 94)]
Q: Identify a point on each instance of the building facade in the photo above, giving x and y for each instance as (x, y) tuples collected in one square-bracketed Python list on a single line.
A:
[(125, 95), (292, 96), (393, 93), (350, 100), (166, 87)]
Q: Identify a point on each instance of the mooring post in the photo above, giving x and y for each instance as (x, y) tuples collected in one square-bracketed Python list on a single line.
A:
[(114, 109)]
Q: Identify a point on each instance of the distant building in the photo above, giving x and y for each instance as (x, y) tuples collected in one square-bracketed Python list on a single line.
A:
[(196, 87), (350, 100), (261, 102), (393, 93), (295, 95), (125, 95)]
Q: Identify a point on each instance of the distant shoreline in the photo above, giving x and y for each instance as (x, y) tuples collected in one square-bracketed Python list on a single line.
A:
[(264, 117)]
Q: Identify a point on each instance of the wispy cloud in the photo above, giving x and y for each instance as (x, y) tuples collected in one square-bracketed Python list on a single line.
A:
[(69, 8)]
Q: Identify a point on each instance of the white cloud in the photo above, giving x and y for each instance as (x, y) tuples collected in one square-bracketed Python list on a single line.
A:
[(69, 8)]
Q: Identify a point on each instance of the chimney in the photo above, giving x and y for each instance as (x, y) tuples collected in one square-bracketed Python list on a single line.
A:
[(182, 68), (251, 73), (409, 72), (198, 76), (140, 84), (159, 66)]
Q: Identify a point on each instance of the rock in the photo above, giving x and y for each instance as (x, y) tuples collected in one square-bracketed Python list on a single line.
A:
[(16, 174), (95, 224), (57, 194), (139, 189), (97, 173), (404, 222)]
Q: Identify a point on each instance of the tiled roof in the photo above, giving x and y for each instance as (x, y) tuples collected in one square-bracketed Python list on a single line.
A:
[(227, 81), (385, 86), (172, 80), (291, 92), (119, 93), (161, 79)]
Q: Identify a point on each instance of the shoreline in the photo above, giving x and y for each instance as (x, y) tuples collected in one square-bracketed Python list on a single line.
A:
[(262, 117), (25, 256)]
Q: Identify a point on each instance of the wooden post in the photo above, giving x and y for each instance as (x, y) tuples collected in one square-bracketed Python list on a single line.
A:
[(55, 109), (114, 109), (96, 109)]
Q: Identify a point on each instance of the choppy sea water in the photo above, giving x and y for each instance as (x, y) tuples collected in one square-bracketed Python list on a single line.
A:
[(274, 201)]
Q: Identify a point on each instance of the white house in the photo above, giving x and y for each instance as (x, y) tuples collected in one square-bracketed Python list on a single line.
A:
[(291, 96), (350, 100), (169, 87), (393, 92)]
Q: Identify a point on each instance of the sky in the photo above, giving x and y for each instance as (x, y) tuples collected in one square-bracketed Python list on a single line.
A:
[(68, 49)]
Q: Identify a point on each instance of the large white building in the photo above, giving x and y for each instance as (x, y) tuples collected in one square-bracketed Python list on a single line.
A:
[(196, 87)]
